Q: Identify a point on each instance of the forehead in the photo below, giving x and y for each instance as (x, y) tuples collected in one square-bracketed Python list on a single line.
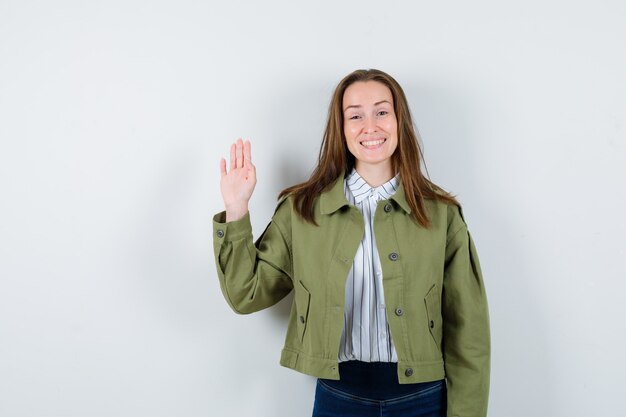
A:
[(366, 92)]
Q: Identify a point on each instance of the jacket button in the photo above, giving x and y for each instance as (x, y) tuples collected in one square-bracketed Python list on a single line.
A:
[(399, 311), (301, 319), (408, 372), (432, 324), (220, 233), (393, 256), (388, 207)]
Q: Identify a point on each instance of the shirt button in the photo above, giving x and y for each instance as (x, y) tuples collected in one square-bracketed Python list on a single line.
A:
[(399, 311), (408, 372), (393, 256), (388, 207), (220, 233), (432, 324), (302, 319)]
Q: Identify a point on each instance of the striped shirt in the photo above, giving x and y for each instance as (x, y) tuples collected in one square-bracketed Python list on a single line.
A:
[(365, 335)]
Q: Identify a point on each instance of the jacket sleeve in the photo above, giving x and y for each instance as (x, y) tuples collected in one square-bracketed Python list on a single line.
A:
[(252, 275), (466, 334)]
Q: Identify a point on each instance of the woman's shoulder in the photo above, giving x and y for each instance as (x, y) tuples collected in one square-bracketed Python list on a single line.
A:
[(285, 211), (284, 204), (443, 201)]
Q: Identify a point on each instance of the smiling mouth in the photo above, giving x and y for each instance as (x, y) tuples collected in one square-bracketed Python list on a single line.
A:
[(373, 144)]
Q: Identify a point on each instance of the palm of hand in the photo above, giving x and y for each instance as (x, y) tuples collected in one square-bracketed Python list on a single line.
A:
[(238, 184)]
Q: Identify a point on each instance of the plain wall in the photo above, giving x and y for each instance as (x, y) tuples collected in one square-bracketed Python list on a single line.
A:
[(113, 117)]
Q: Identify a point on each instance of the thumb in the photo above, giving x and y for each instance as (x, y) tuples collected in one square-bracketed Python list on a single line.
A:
[(222, 167)]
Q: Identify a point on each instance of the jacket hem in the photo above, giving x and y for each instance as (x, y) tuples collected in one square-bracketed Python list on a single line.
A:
[(329, 369)]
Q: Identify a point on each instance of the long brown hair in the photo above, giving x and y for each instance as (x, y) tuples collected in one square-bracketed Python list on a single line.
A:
[(336, 160)]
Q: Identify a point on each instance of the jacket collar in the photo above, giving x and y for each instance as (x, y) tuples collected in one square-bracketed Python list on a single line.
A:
[(334, 197)]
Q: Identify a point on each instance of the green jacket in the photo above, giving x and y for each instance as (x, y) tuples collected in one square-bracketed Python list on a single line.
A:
[(433, 286)]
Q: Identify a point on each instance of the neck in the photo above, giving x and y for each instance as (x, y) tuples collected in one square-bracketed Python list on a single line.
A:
[(375, 175)]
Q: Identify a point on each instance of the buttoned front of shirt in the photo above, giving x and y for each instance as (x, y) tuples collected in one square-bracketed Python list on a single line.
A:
[(366, 335)]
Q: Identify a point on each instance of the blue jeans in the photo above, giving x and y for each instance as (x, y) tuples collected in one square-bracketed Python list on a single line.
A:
[(372, 390)]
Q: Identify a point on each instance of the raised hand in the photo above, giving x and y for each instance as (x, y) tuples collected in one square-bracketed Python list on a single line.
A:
[(238, 184)]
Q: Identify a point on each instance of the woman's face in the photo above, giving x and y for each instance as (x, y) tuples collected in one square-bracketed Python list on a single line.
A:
[(370, 124)]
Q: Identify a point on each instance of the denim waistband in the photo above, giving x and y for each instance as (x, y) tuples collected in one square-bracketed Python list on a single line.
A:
[(374, 380)]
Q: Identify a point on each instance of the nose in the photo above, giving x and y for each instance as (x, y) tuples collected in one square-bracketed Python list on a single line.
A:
[(370, 125)]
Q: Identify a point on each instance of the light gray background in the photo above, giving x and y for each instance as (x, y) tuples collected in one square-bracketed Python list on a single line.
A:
[(113, 117)]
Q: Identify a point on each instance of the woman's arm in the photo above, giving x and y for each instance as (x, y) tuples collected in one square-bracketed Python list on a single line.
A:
[(253, 276), (466, 335), (256, 275)]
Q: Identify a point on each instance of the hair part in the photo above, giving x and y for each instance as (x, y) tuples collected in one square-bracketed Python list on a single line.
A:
[(335, 159)]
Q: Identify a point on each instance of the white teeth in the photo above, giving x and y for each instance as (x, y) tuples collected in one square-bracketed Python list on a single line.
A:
[(372, 142)]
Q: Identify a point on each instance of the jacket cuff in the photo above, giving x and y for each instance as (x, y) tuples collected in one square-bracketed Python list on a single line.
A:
[(230, 231)]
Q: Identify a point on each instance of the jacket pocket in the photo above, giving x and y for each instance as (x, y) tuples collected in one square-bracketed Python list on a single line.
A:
[(433, 313), (303, 301)]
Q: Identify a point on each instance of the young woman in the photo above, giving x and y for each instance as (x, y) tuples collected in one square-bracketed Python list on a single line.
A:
[(389, 311)]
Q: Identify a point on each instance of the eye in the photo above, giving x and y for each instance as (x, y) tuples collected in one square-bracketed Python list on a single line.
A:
[(354, 117), (383, 113)]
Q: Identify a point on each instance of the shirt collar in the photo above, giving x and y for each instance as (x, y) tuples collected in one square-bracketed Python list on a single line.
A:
[(361, 189), (334, 197)]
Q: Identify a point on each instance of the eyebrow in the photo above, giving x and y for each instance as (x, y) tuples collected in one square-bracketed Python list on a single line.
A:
[(375, 104)]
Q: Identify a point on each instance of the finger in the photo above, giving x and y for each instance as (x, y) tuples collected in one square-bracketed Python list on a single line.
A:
[(247, 158), (233, 159), (252, 173), (222, 167), (239, 153)]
